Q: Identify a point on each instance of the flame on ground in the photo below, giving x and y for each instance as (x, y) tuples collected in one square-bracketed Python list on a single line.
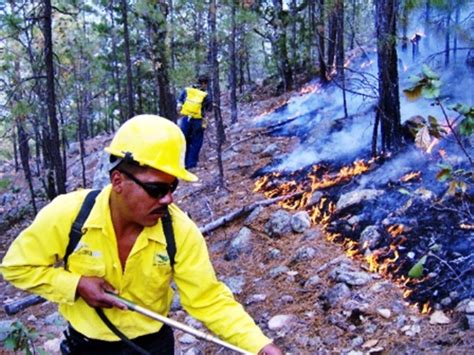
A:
[(303, 187)]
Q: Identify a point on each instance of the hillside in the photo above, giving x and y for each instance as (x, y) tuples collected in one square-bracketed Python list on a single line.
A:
[(327, 301)]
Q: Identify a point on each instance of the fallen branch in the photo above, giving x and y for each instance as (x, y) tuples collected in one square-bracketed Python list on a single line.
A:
[(237, 213)]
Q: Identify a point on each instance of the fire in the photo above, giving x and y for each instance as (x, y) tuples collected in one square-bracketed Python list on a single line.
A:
[(396, 229), (303, 184), (411, 176), (426, 308)]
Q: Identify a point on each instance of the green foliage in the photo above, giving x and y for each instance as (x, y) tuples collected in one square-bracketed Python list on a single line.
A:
[(427, 84), (457, 179), (466, 126), (20, 338), (4, 183), (417, 270)]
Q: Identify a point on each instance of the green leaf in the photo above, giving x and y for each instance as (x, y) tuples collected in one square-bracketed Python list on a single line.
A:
[(404, 191), (10, 343), (417, 270), (444, 174), (430, 92), (429, 73), (466, 127)]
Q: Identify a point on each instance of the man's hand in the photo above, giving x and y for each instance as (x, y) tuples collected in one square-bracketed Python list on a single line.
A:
[(93, 291), (270, 349)]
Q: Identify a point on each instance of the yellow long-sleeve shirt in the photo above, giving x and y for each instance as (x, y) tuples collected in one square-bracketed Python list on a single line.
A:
[(29, 264)]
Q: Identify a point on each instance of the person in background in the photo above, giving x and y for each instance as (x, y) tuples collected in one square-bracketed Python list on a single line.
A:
[(194, 102), (123, 249)]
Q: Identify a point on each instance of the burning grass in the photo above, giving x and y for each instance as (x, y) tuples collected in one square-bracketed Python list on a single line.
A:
[(420, 242)]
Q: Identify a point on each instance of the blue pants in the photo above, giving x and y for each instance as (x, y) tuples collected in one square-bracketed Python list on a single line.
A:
[(194, 134)]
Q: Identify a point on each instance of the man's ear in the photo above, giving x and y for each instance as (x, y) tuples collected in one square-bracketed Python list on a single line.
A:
[(116, 179)]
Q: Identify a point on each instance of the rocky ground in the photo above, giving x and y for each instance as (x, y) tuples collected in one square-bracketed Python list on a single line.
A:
[(300, 288)]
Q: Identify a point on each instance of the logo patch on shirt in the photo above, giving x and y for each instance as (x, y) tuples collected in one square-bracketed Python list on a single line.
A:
[(161, 259)]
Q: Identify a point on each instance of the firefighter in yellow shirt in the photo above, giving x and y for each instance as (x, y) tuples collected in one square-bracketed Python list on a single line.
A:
[(194, 102), (123, 250)]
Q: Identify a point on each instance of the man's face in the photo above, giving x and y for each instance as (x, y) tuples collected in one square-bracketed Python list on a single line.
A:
[(142, 207)]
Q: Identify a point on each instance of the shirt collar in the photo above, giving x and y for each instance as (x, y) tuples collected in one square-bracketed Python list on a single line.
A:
[(100, 218)]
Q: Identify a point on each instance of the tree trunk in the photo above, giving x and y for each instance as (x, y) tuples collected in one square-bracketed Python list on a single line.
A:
[(54, 148), (389, 101), (332, 37), (198, 28), (233, 66), (447, 39), (353, 25), (115, 67), (279, 45), (22, 139), (214, 64), (321, 32), (456, 25), (340, 57), (128, 60), (158, 54)]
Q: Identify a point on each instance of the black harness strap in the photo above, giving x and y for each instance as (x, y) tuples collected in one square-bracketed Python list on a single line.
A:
[(118, 333), (169, 235), (75, 236)]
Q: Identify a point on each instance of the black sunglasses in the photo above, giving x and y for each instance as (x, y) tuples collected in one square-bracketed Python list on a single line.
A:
[(154, 189)]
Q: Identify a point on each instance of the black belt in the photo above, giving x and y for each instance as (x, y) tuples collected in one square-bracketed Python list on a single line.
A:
[(79, 343)]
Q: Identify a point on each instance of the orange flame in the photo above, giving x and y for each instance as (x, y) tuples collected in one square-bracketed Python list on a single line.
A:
[(426, 308)]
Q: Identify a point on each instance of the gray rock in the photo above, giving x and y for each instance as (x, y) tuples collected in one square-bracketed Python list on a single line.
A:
[(300, 222), (255, 299), (274, 253), (312, 281), (470, 321), (239, 245), (55, 319), (312, 234), (187, 339), (257, 148), (287, 299), (235, 283), (277, 271), (278, 224), (101, 175), (370, 237), (5, 328), (356, 197), (357, 341), (193, 351), (337, 293), (176, 303), (74, 148), (281, 321), (315, 197), (304, 254), (353, 278)]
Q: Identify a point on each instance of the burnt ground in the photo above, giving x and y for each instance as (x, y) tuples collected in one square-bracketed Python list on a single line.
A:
[(358, 324)]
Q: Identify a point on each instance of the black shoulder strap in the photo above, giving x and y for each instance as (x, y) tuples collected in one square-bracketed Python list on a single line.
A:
[(75, 233), (169, 236)]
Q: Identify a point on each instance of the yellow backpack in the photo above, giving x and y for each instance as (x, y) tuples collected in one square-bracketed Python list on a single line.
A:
[(193, 104)]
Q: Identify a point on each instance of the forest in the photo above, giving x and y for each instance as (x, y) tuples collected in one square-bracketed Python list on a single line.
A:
[(354, 117)]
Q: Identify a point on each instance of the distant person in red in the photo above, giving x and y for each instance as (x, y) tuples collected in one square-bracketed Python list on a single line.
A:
[(194, 102)]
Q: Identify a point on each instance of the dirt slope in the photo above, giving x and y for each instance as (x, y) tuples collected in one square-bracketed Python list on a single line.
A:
[(369, 318)]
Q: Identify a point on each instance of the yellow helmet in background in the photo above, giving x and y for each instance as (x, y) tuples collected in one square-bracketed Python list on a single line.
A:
[(153, 141)]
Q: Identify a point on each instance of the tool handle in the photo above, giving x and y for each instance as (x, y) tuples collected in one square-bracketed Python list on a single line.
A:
[(17, 306)]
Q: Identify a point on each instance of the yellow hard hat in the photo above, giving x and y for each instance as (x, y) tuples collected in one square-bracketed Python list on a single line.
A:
[(153, 141)]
